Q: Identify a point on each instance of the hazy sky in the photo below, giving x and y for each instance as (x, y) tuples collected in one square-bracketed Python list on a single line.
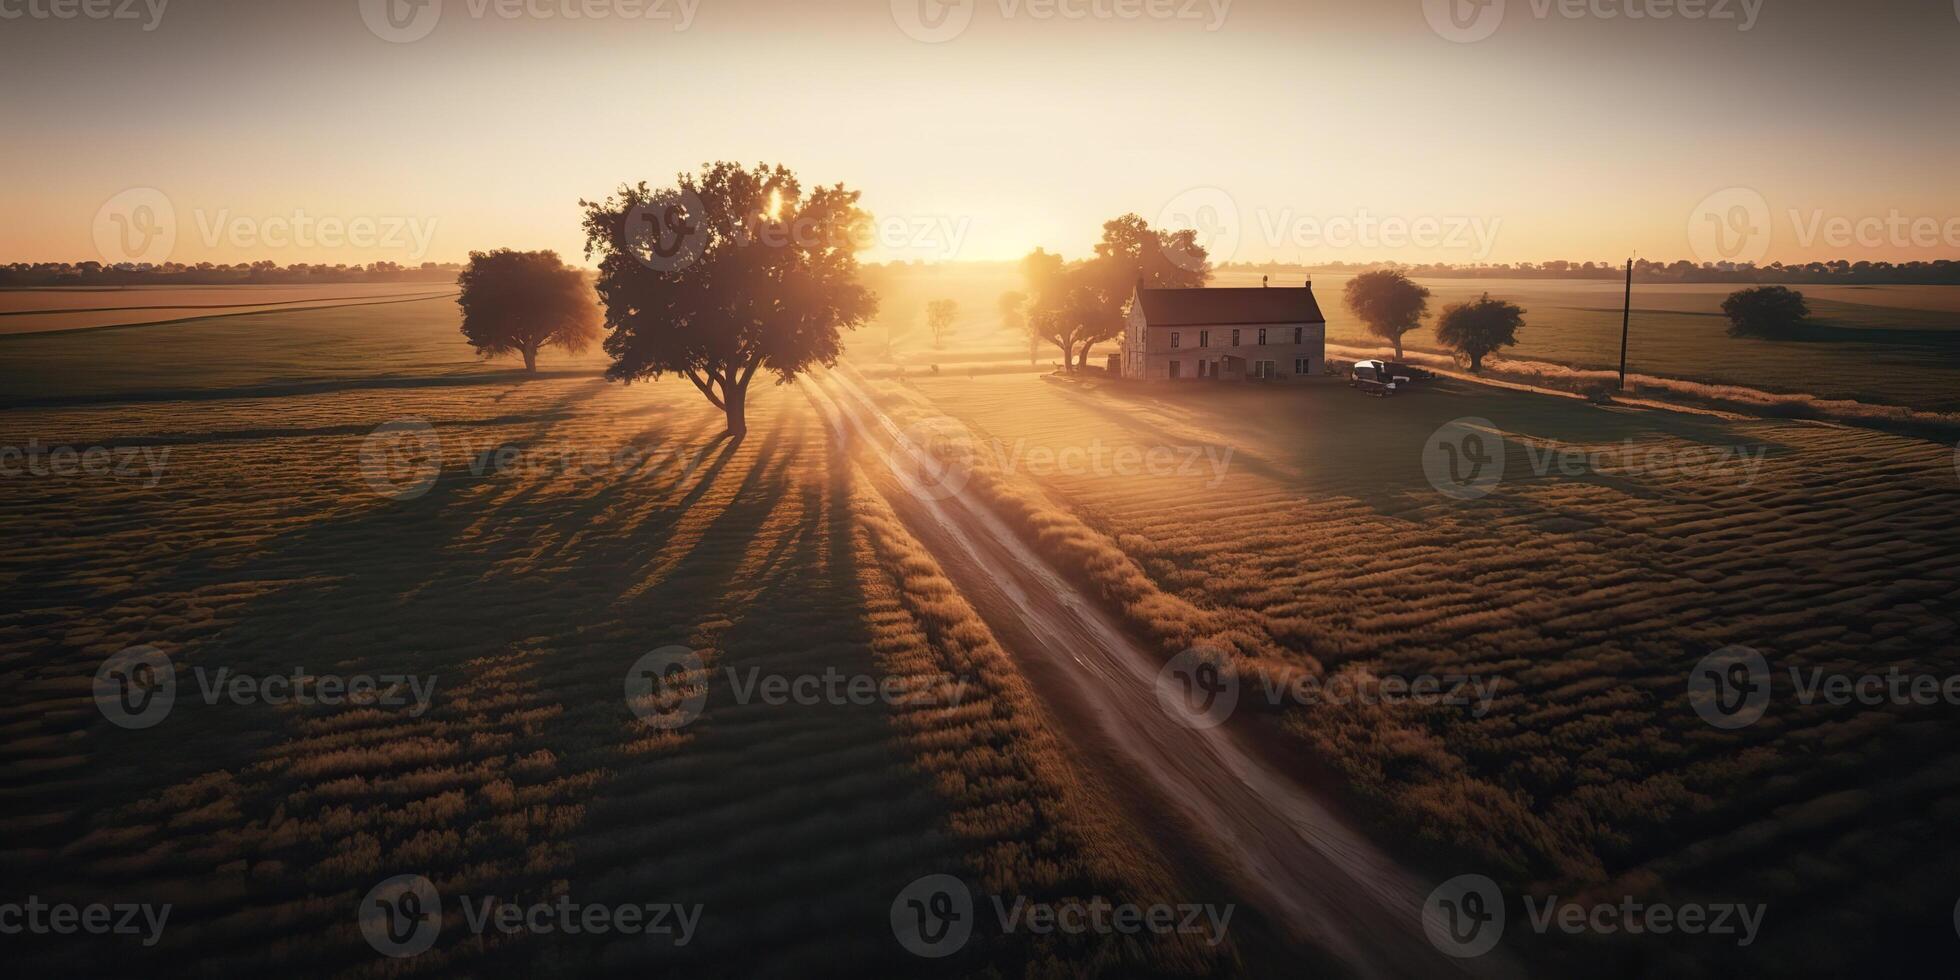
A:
[(1316, 130)]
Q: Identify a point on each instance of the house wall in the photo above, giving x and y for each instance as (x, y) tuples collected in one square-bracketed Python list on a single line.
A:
[(1148, 353)]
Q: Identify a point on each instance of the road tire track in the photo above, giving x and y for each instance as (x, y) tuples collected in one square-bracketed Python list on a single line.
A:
[(1315, 875)]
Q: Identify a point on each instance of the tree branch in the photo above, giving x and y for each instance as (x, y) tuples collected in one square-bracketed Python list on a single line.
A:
[(706, 388)]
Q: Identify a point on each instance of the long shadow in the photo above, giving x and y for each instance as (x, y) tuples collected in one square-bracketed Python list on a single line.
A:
[(378, 590)]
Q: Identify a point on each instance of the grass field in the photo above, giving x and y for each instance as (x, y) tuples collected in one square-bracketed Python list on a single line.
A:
[(1318, 548), (1887, 345), (525, 593), (1896, 345), (54, 310), (1585, 599)]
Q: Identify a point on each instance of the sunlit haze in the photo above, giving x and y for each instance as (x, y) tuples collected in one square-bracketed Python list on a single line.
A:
[(1584, 138)]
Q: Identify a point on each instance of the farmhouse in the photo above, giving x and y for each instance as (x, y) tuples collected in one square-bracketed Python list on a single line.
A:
[(1224, 334)]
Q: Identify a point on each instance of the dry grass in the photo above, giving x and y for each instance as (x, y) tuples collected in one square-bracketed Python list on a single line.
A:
[(527, 594), (1037, 827), (1585, 599)]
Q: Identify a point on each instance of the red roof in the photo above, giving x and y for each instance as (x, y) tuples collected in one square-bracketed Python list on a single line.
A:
[(1228, 307)]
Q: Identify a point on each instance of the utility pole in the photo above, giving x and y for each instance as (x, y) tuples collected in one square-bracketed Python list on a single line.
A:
[(1626, 320)]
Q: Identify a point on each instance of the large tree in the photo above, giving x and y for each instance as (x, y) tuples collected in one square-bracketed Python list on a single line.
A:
[(1388, 303), (730, 272), (1765, 311), (520, 302), (1477, 328), (1046, 275), (1077, 306), (1073, 315), (1133, 254)]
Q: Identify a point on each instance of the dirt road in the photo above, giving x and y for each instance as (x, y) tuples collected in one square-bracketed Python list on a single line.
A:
[(1295, 859)]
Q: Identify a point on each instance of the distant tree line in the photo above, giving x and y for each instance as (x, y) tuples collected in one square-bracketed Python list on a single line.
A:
[(1943, 272), (217, 274)]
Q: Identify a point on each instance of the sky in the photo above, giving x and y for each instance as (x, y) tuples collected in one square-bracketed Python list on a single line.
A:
[(1284, 130)]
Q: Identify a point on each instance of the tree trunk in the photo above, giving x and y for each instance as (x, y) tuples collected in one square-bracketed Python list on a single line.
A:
[(734, 401), (531, 359), (1476, 362), (1068, 353), (1398, 346)]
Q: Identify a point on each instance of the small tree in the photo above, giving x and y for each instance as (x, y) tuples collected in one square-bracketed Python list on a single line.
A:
[(940, 315), (729, 272), (1388, 303), (1765, 311), (1477, 328), (519, 302)]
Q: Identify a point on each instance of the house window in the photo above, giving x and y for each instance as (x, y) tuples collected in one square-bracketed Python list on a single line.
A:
[(1173, 340), (1263, 370), (1176, 369), (1204, 338), (1262, 336), (1297, 333), (1235, 338), (1303, 365)]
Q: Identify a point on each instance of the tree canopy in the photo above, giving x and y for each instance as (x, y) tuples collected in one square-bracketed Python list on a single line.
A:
[(727, 273), (1076, 306), (1765, 311), (1477, 328), (519, 302), (1388, 303)]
